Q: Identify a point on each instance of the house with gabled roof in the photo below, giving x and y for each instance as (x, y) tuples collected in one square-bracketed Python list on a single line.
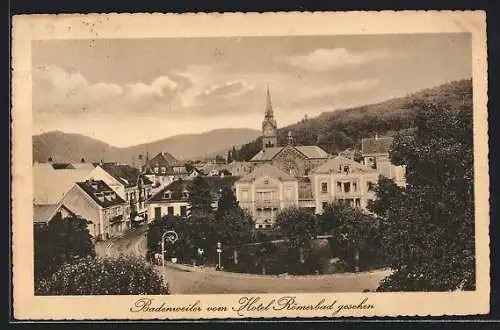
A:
[(96, 202), (43, 214), (341, 179), (163, 169), (375, 153), (127, 181), (173, 200), (265, 191)]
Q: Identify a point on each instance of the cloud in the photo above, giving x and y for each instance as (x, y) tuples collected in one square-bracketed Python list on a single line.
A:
[(327, 59), (58, 90)]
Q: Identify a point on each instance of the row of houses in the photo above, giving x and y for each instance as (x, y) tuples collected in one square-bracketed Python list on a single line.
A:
[(111, 196), (114, 196)]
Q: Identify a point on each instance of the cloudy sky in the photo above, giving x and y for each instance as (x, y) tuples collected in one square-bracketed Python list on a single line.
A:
[(131, 91)]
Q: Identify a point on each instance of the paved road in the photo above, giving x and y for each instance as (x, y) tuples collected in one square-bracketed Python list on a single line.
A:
[(196, 280)]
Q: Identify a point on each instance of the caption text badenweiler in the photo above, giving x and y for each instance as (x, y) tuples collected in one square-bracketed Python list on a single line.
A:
[(248, 305)]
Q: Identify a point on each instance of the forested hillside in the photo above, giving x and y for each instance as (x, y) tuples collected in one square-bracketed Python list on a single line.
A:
[(338, 130)]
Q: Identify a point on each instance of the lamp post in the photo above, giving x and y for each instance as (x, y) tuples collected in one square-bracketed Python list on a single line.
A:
[(219, 251), (172, 237)]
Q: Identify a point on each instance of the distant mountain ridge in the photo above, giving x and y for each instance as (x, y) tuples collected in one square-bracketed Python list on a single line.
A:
[(70, 147), (342, 129)]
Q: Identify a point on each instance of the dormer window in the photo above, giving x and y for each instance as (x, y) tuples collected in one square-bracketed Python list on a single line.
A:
[(163, 170), (100, 196), (185, 194), (156, 170), (346, 169), (168, 194)]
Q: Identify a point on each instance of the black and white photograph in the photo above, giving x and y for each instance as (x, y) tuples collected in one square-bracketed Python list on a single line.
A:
[(254, 164)]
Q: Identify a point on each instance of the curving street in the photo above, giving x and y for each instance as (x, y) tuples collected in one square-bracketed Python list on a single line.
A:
[(202, 280)]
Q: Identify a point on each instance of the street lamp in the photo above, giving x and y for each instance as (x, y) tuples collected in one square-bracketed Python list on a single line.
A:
[(172, 237), (219, 251)]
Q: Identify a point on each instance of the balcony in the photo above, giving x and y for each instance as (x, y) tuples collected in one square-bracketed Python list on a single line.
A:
[(267, 203), (116, 218)]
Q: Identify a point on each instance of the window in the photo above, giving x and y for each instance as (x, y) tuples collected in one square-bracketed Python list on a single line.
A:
[(347, 187), (157, 212), (369, 186), (185, 194), (183, 210), (170, 210), (339, 186), (358, 202), (156, 170), (244, 195), (346, 169), (354, 186), (324, 205), (168, 195), (163, 170), (324, 187), (266, 181)]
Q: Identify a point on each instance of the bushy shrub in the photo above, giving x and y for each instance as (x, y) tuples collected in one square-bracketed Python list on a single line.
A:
[(103, 276)]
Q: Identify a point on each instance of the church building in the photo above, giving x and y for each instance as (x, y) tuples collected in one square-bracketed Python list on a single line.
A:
[(296, 161)]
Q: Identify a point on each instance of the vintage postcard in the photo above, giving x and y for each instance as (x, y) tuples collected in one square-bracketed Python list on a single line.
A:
[(245, 165)]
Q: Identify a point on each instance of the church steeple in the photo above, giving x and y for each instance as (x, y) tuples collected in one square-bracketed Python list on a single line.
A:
[(269, 106), (269, 126)]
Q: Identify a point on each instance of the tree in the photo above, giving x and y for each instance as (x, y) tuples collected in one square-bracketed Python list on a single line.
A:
[(354, 232), (63, 240), (299, 226), (226, 203), (95, 276), (200, 198), (229, 157), (429, 234), (235, 227), (234, 154)]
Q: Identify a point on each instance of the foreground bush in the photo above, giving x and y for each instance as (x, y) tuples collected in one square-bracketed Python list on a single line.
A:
[(95, 276)]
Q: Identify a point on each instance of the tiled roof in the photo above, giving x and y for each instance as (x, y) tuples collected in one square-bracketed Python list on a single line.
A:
[(44, 213), (336, 165), (50, 185), (177, 188), (267, 170), (95, 187), (266, 154), (311, 152), (125, 174), (83, 166), (164, 159), (377, 145)]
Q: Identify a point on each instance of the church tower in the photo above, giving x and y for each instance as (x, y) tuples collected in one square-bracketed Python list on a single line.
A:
[(269, 127)]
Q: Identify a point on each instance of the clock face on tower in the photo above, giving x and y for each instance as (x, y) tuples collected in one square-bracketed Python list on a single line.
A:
[(268, 130)]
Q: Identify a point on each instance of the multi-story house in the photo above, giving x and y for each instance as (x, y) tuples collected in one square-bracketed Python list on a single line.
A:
[(129, 184), (163, 169), (264, 192), (343, 180), (173, 200), (375, 153), (96, 202)]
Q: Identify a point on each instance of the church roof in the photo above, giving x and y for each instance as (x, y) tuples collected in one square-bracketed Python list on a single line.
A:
[(337, 164), (267, 170), (310, 152), (376, 145)]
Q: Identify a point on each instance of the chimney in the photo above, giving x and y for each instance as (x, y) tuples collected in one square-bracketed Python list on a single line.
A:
[(50, 160), (82, 160)]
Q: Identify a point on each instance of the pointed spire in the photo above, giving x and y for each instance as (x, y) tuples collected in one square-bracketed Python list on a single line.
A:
[(269, 106)]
